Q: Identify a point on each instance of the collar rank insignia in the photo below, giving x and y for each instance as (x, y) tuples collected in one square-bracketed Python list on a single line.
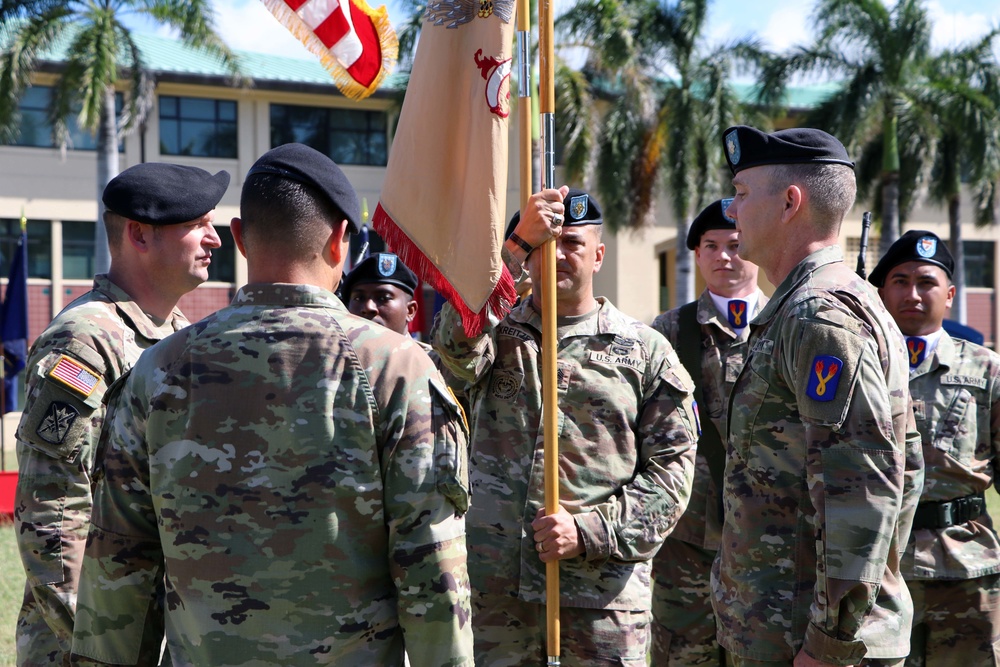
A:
[(71, 373), (737, 313), (916, 350), (824, 376)]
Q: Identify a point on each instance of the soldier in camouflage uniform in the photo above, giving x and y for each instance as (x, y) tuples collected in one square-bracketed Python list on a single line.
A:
[(821, 478), (297, 474), (952, 561), (626, 438), (716, 331), (160, 233)]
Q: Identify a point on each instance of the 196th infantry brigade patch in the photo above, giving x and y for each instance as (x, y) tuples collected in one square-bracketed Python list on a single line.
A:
[(824, 378), (56, 424), (505, 384), (75, 375)]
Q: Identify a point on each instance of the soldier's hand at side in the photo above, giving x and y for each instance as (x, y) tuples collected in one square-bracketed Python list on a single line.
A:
[(556, 535)]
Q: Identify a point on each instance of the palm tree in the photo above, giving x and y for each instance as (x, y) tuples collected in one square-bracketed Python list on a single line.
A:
[(880, 54), (100, 50), (659, 133), (965, 94)]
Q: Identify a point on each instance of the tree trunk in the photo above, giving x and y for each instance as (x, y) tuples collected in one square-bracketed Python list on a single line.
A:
[(890, 211), (107, 168), (890, 178), (959, 308), (684, 290)]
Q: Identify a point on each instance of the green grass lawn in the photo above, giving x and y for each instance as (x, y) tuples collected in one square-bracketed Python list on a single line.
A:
[(11, 591)]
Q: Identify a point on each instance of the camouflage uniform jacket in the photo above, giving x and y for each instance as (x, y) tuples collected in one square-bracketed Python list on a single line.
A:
[(88, 346), (626, 450), (723, 351), (819, 470), (299, 476), (956, 400)]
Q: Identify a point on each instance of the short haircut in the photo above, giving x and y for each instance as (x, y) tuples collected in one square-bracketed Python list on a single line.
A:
[(278, 212), (831, 188), (114, 225)]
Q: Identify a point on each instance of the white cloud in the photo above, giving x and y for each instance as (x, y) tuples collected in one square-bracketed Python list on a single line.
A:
[(787, 26), (951, 29)]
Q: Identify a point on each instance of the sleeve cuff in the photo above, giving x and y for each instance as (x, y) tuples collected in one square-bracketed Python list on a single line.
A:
[(594, 533), (825, 648)]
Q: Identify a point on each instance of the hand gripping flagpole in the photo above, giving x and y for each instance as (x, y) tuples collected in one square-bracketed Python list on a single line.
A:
[(550, 415)]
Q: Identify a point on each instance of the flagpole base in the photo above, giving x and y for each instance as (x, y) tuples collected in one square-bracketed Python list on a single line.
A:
[(553, 661)]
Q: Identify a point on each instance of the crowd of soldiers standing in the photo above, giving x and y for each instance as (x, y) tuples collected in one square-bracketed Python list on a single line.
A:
[(294, 480)]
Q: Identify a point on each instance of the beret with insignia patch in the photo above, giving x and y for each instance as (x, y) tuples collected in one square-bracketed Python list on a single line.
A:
[(712, 217), (381, 268), (747, 147), (158, 193), (915, 245)]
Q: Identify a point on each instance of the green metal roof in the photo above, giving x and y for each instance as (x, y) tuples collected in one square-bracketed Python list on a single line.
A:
[(169, 56)]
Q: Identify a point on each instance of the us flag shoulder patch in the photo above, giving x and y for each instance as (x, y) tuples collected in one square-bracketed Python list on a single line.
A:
[(75, 375)]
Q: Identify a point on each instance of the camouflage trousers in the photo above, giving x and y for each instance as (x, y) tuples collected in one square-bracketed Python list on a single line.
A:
[(955, 622), (37, 644), (512, 633), (745, 662), (683, 620)]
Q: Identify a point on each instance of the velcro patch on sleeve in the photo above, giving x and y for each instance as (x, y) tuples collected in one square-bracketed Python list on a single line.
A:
[(76, 376)]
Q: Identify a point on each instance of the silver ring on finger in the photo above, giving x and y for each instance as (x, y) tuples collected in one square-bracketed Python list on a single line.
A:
[(557, 219)]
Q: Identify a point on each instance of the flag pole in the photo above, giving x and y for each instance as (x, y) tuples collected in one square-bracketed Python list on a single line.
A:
[(550, 417), (524, 96)]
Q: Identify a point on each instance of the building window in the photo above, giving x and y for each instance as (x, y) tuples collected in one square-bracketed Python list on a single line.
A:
[(36, 131), (223, 266), (197, 126), (78, 250), (348, 136), (39, 246), (978, 263)]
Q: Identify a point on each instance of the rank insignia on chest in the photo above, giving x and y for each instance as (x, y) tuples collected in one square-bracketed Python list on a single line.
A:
[(824, 376), (916, 350), (71, 373), (737, 313)]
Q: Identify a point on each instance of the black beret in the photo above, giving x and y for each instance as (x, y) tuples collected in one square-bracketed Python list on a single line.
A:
[(747, 147), (382, 268), (302, 164), (581, 209), (914, 246), (158, 193), (713, 217)]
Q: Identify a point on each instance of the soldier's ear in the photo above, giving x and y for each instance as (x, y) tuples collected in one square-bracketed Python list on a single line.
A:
[(236, 227), (339, 243), (138, 235)]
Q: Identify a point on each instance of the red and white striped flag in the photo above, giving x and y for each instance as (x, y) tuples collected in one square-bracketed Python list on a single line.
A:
[(355, 43)]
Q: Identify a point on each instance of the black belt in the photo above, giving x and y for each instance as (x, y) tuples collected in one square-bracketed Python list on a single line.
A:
[(949, 512)]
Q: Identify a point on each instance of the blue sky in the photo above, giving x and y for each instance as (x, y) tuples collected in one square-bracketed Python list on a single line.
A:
[(246, 24)]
